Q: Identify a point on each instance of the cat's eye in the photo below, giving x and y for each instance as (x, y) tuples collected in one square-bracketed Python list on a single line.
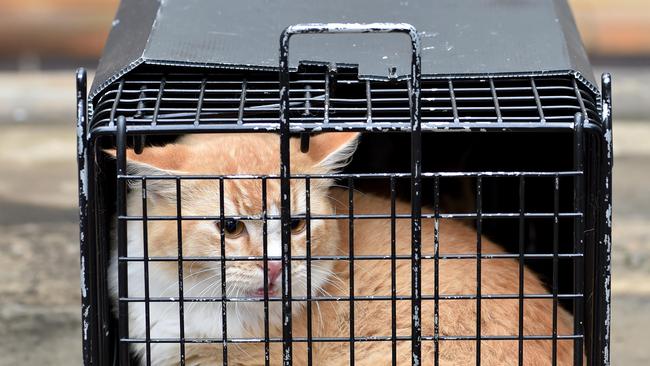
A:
[(297, 225), (232, 228)]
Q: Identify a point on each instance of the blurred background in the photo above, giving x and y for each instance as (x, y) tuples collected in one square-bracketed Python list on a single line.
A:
[(43, 41)]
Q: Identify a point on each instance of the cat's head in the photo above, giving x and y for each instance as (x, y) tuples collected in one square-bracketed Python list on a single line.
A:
[(226, 154)]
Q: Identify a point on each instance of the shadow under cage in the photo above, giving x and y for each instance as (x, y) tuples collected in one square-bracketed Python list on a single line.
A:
[(471, 198)]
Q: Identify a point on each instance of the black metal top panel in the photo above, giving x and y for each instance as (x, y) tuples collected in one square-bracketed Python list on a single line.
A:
[(458, 36)]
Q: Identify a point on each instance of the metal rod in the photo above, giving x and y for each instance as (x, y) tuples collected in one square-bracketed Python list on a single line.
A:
[(452, 98), (181, 293), (145, 265), (224, 287), (605, 242), (556, 275), (356, 257), (285, 201), (538, 101), (116, 103), (436, 270), (242, 102), (393, 271), (368, 175), (495, 99), (522, 218), (309, 260), (479, 239), (578, 206), (122, 269), (156, 110), (358, 339), (326, 106), (199, 103), (368, 101), (351, 264), (578, 94), (514, 296), (88, 312), (265, 263)]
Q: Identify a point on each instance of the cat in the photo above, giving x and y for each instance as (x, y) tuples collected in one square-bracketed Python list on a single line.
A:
[(259, 154)]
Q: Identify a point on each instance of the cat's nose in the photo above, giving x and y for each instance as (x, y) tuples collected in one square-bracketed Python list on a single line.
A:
[(274, 270)]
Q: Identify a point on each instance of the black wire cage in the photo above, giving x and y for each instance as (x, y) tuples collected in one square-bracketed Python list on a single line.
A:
[(482, 113)]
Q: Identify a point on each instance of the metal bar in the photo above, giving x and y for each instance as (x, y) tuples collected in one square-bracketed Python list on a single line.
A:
[(309, 259), (285, 201), (514, 296), (351, 263), (436, 270), (139, 141), (578, 205), (181, 294), (104, 348), (522, 202), (122, 269), (368, 101), (495, 99), (199, 103), (416, 199), (265, 264), (156, 110), (356, 257), (116, 103), (479, 233), (359, 339), (605, 243), (326, 106), (145, 267), (88, 312), (555, 279), (393, 271), (242, 103), (503, 216), (429, 124), (538, 102), (452, 96), (224, 297), (365, 176), (581, 102)]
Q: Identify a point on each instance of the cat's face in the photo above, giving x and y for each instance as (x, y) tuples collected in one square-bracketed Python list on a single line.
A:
[(245, 235)]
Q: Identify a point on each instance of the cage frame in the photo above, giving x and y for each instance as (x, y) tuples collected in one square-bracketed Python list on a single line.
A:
[(90, 324), (582, 127)]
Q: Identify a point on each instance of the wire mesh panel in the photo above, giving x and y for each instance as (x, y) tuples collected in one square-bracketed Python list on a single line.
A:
[(364, 305), (199, 252), (233, 100)]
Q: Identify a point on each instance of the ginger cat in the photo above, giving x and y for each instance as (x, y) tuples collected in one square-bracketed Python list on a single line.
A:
[(259, 154)]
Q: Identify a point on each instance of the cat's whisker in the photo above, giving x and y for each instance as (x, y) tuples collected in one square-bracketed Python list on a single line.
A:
[(355, 190), (329, 278), (162, 293), (218, 275), (332, 198), (238, 288), (212, 285), (192, 266)]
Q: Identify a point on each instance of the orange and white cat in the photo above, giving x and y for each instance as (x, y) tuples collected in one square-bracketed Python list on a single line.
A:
[(259, 154)]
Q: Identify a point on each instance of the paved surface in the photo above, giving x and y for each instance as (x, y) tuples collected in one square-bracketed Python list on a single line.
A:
[(39, 276)]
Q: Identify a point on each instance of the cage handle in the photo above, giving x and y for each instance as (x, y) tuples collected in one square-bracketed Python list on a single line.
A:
[(416, 170)]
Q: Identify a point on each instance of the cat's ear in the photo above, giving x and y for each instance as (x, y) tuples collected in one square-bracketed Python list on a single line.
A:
[(333, 150), (154, 161)]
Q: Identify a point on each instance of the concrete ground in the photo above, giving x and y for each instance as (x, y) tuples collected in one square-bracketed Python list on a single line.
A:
[(39, 267)]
